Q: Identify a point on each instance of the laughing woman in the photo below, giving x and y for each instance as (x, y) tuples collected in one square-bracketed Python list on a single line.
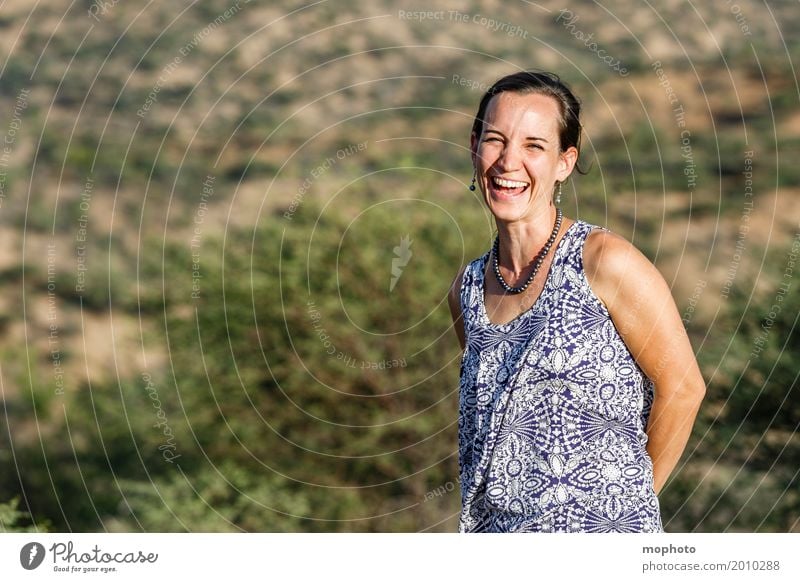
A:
[(579, 386)]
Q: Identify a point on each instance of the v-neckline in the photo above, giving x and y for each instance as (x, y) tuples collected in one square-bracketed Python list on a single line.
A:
[(517, 319)]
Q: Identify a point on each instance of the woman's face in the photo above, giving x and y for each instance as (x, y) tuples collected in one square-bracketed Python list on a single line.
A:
[(520, 144)]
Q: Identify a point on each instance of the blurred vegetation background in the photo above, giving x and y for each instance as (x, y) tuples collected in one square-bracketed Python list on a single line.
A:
[(228, 230)]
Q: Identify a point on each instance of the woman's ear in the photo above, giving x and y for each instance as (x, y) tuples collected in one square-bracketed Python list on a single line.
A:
[(567, 161), (473, 146)]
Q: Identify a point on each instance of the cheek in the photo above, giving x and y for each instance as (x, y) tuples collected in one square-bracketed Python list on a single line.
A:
[(484, 158), (544, 166), (487, 156)]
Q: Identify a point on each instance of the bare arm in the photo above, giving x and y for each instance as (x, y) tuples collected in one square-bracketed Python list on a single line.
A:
[(454, 299), (642, 309)]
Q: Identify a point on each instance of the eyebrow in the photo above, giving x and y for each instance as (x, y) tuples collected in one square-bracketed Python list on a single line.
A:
[(527, 138)]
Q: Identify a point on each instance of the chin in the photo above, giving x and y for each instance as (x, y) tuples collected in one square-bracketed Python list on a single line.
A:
[(508, 207)]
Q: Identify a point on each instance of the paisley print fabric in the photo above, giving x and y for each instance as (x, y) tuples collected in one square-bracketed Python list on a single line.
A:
[(552, 412)]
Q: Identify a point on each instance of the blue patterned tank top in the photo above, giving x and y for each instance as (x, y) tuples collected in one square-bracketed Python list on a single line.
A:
[(552, 411)]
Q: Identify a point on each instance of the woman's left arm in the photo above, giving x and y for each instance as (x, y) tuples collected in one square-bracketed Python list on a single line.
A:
[(644, 312)]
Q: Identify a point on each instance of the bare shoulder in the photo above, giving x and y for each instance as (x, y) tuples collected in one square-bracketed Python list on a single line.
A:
[(616, 270), (606, 251)]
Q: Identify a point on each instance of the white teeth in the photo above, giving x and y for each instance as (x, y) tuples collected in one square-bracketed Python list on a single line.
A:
[(508, 183)]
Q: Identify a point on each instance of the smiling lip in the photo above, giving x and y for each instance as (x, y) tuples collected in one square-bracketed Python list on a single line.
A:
[(500, 188)]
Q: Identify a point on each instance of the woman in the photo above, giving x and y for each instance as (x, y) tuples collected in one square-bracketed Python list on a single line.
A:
[(579, 386)]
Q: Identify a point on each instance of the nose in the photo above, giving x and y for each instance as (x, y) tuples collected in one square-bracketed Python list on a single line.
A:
[(509, 159)]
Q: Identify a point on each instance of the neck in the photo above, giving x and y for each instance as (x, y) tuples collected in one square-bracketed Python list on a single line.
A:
[(522, 241)]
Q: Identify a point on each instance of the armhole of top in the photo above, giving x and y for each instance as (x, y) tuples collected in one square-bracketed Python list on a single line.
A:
[(468, 289), (582, 269), (462, 294)]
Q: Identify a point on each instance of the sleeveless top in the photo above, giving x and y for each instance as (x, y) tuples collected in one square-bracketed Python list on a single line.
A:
[(552, 411)]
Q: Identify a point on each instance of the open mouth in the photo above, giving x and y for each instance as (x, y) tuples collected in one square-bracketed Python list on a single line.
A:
[(507, 187)]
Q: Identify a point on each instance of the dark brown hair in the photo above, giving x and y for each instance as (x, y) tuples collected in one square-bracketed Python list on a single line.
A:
[(543, 83)]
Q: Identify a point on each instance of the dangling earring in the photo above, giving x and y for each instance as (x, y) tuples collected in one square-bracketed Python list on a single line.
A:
[(472, 186), (558, 194)]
